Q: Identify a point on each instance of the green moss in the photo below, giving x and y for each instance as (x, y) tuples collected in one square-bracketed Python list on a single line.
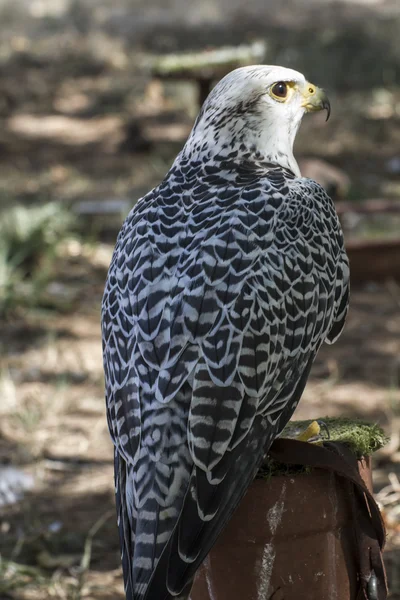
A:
[(272, 468), (362, 438)]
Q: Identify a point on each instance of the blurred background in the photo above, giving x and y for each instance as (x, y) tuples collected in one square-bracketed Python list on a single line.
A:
[(96, 99)]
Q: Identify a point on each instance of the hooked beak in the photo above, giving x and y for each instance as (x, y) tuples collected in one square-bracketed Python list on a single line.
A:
[(315, 99)]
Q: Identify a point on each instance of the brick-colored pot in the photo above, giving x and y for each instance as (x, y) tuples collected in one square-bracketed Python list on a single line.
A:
[(292, 538)]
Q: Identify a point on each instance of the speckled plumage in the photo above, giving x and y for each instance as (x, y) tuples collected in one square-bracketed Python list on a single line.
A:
[(225, 280)]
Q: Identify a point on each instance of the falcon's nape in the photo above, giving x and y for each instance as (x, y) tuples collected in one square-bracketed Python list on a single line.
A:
[(225, 280)]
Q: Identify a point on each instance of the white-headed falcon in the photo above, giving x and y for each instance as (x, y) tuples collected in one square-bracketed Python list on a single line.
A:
[(225, 280)]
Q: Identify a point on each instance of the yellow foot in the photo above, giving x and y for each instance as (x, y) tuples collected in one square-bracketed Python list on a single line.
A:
[(312, 431)]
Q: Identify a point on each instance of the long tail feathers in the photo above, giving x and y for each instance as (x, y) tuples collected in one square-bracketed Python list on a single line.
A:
[(124, 527), (162, 548), (195, 533)]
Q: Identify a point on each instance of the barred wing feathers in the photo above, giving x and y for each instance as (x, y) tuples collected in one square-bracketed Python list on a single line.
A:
[(224, 282)]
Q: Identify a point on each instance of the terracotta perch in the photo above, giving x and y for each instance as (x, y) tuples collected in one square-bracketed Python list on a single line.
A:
[(304, 533)]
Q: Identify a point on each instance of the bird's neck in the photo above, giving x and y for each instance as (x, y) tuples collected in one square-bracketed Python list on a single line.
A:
[(241, 141)]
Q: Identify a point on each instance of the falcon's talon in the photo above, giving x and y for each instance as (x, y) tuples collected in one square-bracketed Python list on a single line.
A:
[(310, 433), (325, 427)]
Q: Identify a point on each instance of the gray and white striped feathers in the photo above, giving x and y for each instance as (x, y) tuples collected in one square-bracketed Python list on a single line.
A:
[(225, 280)]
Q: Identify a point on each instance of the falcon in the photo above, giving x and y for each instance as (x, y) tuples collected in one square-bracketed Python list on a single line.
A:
[(225, 280)]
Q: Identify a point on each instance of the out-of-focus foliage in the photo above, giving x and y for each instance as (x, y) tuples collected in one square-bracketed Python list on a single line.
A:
[(29, 237)]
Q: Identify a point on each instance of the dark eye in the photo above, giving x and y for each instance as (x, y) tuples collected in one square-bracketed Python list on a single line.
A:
[(280, 89)]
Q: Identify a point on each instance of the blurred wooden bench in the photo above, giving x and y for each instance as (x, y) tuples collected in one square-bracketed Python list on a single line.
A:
[(371, 259), (204, 68)]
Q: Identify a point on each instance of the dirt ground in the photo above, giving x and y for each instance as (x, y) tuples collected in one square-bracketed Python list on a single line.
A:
[(81, 119), (53, 426)]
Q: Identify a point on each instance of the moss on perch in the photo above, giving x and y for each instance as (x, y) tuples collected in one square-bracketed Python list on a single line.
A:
[(361, 437)]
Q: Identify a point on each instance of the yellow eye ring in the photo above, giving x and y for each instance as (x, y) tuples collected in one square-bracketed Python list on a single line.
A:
[(280, 90)]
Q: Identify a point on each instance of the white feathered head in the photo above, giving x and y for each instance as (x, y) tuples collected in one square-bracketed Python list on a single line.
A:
[(256, 109)]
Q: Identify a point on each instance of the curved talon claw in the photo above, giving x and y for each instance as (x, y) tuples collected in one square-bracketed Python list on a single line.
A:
[(324, 426)]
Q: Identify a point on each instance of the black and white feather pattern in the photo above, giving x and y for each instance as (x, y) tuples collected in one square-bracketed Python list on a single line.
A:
[(225, 280)]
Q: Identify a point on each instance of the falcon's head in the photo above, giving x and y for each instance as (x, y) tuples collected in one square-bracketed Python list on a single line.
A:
[(256, 110)]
